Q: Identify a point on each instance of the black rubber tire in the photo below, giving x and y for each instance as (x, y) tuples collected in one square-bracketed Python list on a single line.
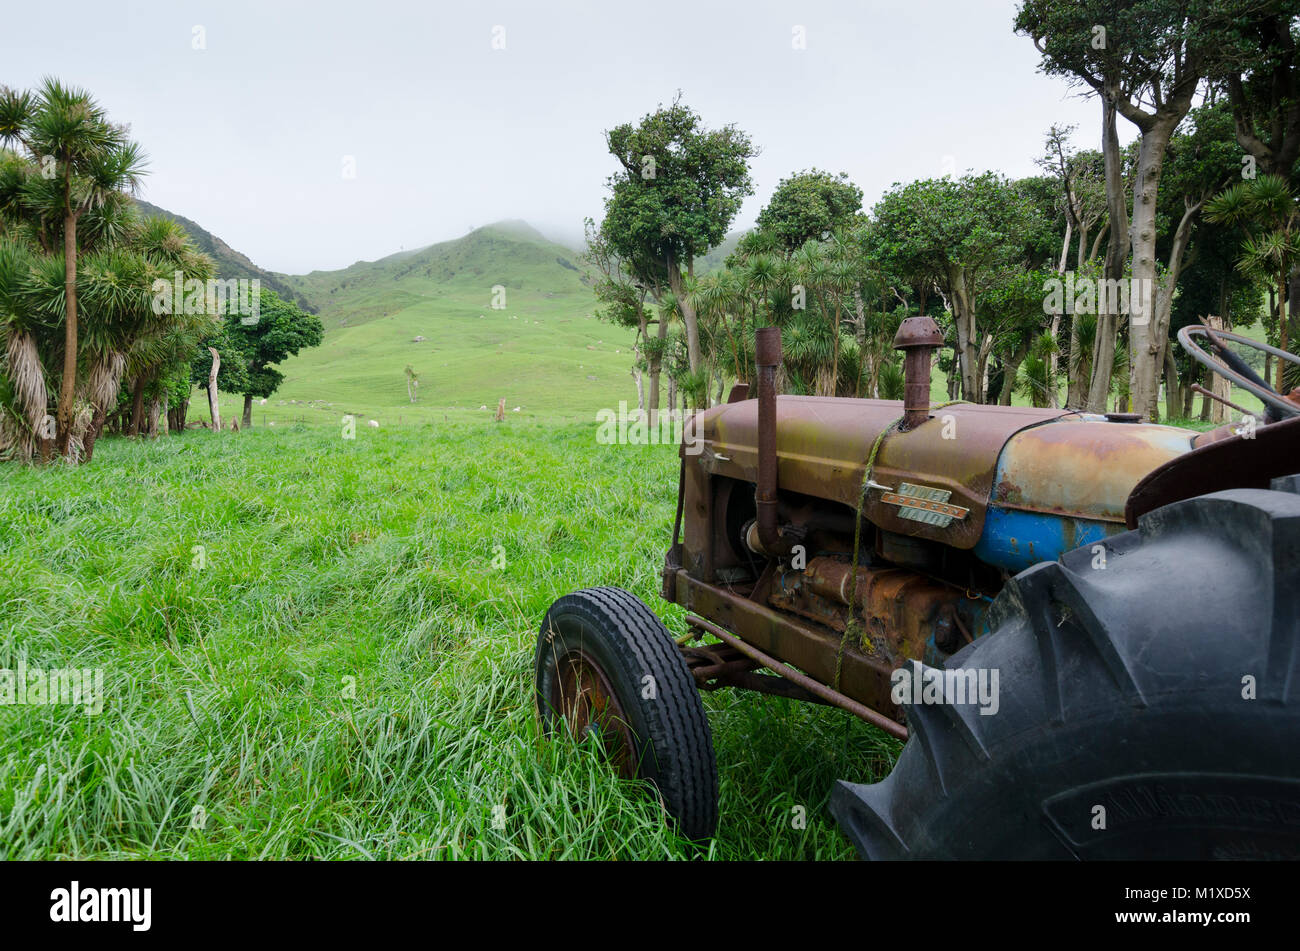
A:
[(1122, 687), (674, 747)]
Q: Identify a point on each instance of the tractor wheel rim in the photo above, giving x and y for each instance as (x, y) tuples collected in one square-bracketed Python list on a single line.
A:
[(587, 701)]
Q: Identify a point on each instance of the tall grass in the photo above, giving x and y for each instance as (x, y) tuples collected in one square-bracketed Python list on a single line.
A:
[(309, 653)]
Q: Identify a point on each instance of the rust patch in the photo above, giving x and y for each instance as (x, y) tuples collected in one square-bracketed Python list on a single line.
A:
[(1083, 467), (900, 609)]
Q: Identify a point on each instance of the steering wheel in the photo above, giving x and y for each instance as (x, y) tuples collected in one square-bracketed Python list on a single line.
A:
[(1231, 367)]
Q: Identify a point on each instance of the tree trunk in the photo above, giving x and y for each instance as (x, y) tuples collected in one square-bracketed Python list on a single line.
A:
[(68, 385), (1103, 354), (151, 419), (1011, 368), (1096, 243), (640, 384), (1164, 302), (982, 355), (1145, 350), (688, 316), (1173, 392), (1216, 383), (178, 414), (247, 421), (214, 405), (88, 441), (655, 369), (137, 405), (103, 384), (652, 405), (964, 319)]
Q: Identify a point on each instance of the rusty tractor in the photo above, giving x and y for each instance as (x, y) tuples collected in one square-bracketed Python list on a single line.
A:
[(1084, 626)]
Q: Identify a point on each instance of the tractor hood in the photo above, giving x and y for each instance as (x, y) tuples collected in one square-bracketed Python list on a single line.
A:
[(937, 481)]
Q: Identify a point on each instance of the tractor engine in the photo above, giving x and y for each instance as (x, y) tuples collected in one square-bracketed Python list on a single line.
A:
[(845, 536)]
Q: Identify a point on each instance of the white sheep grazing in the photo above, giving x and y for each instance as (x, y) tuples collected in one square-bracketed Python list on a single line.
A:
[(374, 424), (515, 410)]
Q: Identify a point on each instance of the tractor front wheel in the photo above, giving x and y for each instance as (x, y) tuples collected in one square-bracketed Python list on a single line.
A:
[(606, 666)]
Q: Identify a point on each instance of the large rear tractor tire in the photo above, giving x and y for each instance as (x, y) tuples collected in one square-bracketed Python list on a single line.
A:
[(1148, 705), (606, 665)]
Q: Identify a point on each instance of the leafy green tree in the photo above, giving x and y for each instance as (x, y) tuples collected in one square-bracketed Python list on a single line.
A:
[(877, 298), (956, 235), (87, 162), (809, 206), (726, 325), (679, 189), (280, 332), (119, 331), (1080, 182)]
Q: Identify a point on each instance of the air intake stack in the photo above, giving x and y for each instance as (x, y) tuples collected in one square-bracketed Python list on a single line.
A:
[(917, 337)]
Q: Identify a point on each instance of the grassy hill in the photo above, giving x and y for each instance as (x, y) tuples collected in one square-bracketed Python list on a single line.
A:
[(510, 253), (543, 351)]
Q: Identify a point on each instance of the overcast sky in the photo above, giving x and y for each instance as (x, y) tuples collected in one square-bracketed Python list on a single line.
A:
[(251, 134)]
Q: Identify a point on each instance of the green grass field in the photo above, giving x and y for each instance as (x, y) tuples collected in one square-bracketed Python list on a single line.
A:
[(344, 674), (548, 357)]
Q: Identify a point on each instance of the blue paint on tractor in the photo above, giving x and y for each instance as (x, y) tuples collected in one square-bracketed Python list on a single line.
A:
[(1015, 539)]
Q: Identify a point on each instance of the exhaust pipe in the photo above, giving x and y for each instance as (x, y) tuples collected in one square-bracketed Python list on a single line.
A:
[(917, 337), (767, 357)]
